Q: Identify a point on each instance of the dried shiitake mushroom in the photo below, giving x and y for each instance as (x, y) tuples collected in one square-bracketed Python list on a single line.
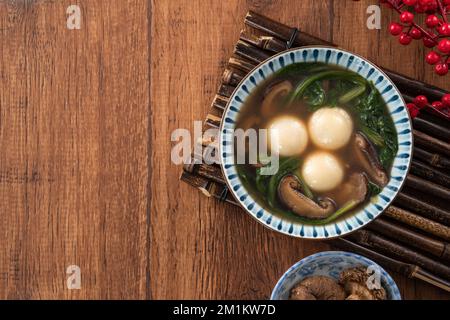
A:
[(354, 281)]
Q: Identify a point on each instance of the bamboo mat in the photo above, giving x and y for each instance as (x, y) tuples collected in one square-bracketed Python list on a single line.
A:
[(412, 236)]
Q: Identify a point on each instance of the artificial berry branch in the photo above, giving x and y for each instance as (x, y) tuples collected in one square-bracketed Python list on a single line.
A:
[(420, 102), (436, 36)]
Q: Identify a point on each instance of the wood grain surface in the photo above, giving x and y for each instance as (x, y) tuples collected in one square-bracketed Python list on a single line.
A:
[(85, 123)]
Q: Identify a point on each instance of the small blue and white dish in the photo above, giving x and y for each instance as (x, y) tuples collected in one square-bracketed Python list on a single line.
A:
[(331, 264), (395, 105)]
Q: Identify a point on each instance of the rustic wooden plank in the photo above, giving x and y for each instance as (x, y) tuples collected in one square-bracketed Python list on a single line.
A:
[(195, 241), (85, 171), (73, 141)]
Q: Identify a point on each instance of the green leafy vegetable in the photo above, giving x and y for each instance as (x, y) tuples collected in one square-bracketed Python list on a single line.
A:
[(261, 181), (377, 124), (317, 222), (352, 94), (373, 188), (314, 96), (333, 74), (372, 135), (306, 190)]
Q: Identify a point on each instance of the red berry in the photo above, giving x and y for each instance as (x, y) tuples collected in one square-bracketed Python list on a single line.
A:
[(445, 2), (431, 21), (395, 29), (420, 101), (446, 99), (432, 57), (404, 39), (441, 69), (413, 110), (438, 105), (419, 9), (432, 6), (410, 2), (429, 43), (444, 46), (415, 33), (406, 17), (444, 29), (425, 3)]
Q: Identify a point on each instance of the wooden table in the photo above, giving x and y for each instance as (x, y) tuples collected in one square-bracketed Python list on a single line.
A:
[(85, 123)]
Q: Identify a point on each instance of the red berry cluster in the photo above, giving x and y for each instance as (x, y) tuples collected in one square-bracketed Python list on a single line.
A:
[(421, 102), (435, 34)]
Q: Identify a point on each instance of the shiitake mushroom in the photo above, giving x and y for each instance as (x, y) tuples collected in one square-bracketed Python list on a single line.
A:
[(368, 158), (290, 194), (352, 285)]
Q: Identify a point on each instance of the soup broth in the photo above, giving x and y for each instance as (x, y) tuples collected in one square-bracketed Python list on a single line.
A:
[(336, 142)]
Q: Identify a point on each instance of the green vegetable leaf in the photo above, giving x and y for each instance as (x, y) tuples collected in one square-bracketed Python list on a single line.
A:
[(332, 74), (314, 96), (377, 125), (373, 189), (352, 94)]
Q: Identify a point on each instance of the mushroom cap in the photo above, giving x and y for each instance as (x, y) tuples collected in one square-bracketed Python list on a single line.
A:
[(368, 158), (355, 189), (289, 193), (300, 292), (319, 287), (355, 280), (269, 106), (358, 291)]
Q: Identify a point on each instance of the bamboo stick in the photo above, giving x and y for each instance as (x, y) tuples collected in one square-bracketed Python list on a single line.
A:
[(226, 90), (427, 187), (431, 143), (196, 181), (425, 209), (431, 128), (213, 121), (269, 26), (408, 270), (232, 76), (219, 102), (427, 172), (250, 52), (378, 243), (432, 159), (414, 87), (240, 64), (264, 42), (418, 222), (211, 172), (411, 238)]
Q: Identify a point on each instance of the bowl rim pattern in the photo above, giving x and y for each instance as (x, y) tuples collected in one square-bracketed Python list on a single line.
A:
[(396, 107)]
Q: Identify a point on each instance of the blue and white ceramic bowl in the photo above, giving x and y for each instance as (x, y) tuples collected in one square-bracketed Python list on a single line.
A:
[(331, 264), (396, 107)]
